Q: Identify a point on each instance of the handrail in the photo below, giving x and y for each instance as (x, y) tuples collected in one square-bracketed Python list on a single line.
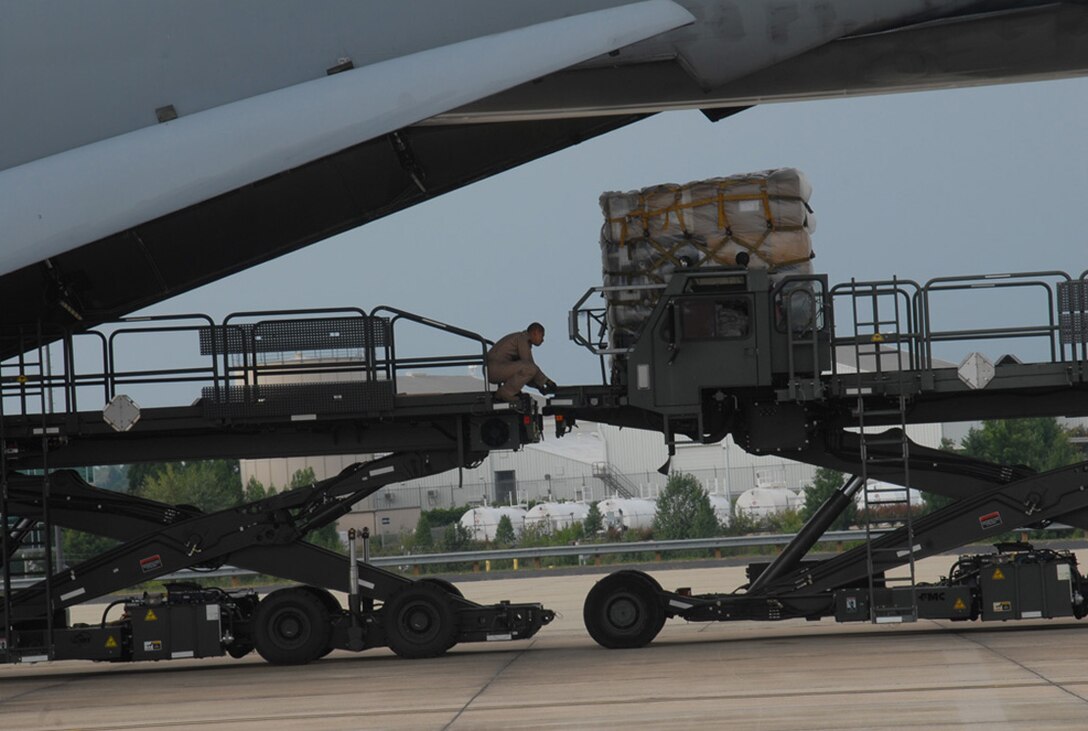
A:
[(112, 375), (875, 289), (991, 281), (442, 361)]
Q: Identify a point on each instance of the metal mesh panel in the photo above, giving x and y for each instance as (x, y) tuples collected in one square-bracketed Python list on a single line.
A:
[(1073, 312), (286, 399), (1074, 328), (1073, 296), (277, 336)]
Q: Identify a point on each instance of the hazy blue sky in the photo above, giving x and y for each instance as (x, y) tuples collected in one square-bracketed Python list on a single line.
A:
[(916, 185)]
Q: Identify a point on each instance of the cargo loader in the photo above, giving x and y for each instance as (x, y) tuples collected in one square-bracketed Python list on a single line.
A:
[(740, 352), (65, 405)]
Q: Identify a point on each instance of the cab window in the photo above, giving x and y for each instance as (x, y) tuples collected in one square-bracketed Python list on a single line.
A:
[(714, 319)]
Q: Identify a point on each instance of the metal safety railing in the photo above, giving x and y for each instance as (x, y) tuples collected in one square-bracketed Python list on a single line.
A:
[(923, 316), (246, 357)]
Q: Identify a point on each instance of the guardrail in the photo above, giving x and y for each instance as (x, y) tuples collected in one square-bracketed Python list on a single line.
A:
[(533, 554)]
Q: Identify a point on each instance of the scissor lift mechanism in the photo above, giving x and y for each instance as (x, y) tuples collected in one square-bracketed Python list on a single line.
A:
[(776, 387), (252, 405)]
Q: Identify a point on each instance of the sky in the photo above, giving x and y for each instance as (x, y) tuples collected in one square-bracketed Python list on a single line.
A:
[(919, 185)]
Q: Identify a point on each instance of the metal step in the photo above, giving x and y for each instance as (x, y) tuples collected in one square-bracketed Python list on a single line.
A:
[(878, 412), (883, 441)]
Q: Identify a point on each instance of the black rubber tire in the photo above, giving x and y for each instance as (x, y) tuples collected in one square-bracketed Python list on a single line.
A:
[(331, 604), (238, 650), (419, 621), (448, 586), (623, 610), (654, 586), (326, 597), (291, 627)]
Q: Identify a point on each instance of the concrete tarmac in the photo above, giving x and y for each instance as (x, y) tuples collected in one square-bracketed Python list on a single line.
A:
[(744, 675)]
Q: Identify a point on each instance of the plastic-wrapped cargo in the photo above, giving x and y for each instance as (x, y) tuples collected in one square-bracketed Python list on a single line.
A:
[(650, 233)]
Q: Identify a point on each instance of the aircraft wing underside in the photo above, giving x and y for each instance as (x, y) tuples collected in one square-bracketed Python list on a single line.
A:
[(1032, 43), (107, 209), (145, 264)]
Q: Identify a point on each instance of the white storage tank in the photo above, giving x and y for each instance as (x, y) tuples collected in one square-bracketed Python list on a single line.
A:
[(556, 516), (723, 509), (762, 502), (483, 522), (628, 513)]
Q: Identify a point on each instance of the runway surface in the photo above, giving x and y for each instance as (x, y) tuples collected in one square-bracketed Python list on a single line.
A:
[(750, 675)]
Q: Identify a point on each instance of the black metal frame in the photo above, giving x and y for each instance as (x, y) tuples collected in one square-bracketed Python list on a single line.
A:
[(810, 418), (423, 434)]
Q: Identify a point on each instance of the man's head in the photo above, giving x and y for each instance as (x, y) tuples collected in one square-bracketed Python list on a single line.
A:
[(536, 333)]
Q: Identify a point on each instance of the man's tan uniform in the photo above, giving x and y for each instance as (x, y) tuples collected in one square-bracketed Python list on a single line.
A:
[(510, 362)]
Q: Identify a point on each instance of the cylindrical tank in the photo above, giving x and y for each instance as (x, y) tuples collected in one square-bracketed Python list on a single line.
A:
[(482, 522), (556, 516), (723, 508), (628, 513), (762, 502)]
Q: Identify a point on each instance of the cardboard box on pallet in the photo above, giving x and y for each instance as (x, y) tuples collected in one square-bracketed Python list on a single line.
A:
[(650, 233)]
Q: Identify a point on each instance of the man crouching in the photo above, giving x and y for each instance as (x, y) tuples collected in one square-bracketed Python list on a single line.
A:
[(510, 363)]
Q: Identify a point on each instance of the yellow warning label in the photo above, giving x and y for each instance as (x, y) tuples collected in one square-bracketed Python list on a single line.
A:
[(152, 617), (998, 574), (111, 643), (959, 605)]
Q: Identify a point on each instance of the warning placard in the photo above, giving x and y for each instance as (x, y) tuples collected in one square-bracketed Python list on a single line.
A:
[(151, 616), (999, 575), (151, 563), (111, 643)]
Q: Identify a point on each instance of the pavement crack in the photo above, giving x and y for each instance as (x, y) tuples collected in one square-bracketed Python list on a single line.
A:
[(488, 684), (37, 689), (1021, 665)]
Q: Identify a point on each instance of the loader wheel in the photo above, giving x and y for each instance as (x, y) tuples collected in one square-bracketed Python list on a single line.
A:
[(623, 611), (291, 627), (419, 621), (332, 605), (238, 650), (654, 586)]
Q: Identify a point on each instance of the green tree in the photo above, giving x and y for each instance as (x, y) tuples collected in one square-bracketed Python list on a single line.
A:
[(139, 474), (684, 510), (255, 490), (1040, 443), (594, 522), (302, 478), (504, 532), (441, 517), (79, 546), (210, 485), (825, 483), (456, 537), (424, 537)]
